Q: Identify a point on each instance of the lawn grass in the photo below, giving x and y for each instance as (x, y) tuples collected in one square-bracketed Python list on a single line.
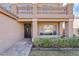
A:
[(54, 53)]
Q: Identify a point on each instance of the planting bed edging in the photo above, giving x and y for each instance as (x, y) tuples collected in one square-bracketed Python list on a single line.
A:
[(56, 49)]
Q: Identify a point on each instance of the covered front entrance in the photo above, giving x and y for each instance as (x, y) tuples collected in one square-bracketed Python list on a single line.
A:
[(27, 30), (47, 27)]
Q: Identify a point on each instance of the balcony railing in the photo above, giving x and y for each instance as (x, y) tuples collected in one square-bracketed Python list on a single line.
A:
[(41, 10), (28, 10), (49, 9), (25, 10)]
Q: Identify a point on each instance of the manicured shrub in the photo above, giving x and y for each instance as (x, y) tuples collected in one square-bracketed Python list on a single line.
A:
[(36, 42), (66, 43), (56, 42), (42, 42), (46, 43), (61, 42)]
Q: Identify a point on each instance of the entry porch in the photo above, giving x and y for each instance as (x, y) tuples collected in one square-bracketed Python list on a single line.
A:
[(48, 28)]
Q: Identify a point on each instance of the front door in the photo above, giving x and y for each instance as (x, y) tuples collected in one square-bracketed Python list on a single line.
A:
[(27, 30)]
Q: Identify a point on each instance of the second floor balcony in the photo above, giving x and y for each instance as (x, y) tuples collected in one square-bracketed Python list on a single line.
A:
[(40, 10)]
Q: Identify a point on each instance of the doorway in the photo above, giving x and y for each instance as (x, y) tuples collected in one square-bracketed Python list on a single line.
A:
[(27, 30)]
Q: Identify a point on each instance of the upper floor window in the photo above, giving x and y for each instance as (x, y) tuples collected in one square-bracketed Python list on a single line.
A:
[(7, 6)]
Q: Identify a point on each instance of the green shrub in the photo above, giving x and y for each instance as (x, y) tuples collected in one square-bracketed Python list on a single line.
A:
[(61, 42), (46, 43), (73, 42), (66, 43), (36, 42), (56, 42), (42, 42)]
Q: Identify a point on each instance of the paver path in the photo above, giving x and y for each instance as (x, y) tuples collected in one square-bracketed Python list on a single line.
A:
[(20, 48)]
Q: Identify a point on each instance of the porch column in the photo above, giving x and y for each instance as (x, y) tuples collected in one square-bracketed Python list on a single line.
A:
[(60, 28), (34, 26), (69, 29)]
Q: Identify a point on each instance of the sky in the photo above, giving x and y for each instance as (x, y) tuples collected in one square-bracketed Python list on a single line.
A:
[(76, 9), (76, 13)]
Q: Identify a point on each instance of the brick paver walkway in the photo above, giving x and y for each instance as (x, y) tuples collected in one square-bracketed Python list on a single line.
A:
[(20, 48)]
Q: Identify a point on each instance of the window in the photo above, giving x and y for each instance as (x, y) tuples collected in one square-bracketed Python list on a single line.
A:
[(7, 6), (48, 30)]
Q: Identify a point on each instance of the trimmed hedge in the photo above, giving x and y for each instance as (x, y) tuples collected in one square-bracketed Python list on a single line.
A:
[(56, 42)]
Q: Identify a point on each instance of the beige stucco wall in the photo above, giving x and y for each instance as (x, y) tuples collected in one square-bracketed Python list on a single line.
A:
[(10, 32)]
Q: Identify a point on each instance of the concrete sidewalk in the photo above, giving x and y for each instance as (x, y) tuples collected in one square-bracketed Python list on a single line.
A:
[(20, 48)]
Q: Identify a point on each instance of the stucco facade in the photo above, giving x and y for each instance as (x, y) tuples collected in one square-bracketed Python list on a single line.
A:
[(10, 31), (52, 14), (32, 20)]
